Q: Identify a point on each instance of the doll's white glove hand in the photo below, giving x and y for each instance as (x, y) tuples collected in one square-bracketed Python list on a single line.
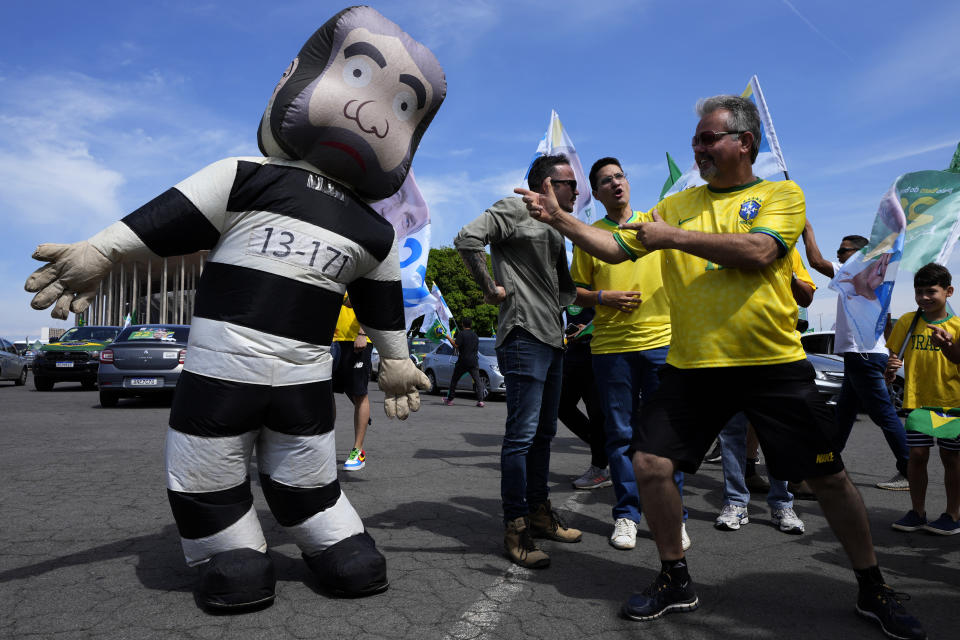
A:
[(399, 380), (69, 281)]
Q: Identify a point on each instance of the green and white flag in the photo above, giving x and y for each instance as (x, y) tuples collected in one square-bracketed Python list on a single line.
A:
[(939, 422), (436, 321)]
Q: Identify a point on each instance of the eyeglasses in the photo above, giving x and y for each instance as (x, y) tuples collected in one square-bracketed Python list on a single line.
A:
[(570, 183), (842, 251), (708, 138), (608, 179)]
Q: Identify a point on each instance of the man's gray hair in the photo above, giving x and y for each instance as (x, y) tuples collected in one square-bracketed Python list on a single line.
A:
[(743, 116)]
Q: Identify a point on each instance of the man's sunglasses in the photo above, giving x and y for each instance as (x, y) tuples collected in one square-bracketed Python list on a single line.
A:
[(708, 138), (570, 183), (842, 251)]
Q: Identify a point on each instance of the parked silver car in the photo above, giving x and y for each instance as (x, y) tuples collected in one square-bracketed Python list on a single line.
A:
[(144, 359), (438, 365), (12, 365)]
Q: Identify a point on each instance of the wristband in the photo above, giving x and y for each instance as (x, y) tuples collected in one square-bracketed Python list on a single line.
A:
[(600, 296)]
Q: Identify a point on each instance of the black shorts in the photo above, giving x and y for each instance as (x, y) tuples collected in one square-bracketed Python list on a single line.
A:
[(351, 370), (796, 428)]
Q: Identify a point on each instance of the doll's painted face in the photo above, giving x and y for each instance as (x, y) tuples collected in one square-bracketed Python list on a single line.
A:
[(373, 89), (355, 102)]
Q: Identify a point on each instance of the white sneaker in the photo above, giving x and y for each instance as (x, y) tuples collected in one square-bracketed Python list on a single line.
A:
[(593, 478), (624, 534), (896, 483), (788, 521), (731, 517), (685, 541)]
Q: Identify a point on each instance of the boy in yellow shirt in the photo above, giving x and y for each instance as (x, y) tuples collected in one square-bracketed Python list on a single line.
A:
[(932, 380)]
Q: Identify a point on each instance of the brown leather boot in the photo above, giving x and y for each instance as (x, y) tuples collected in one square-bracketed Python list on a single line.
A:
[(521, 548), (546, 523)]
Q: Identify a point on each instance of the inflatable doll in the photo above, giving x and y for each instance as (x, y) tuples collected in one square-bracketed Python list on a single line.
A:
[(288, 234)]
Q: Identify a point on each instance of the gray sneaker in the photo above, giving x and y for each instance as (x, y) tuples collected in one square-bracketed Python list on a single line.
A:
[(731, 517), (593, 478), (788, 521), (896, 483)]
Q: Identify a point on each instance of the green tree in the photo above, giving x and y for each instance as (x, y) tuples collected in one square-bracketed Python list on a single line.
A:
[(463, 296)]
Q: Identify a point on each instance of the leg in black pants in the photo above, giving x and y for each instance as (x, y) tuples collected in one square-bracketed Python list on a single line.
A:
[(578, 384), (458, 370)]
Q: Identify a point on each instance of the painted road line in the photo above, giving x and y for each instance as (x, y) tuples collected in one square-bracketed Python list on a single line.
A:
[(484, 615)]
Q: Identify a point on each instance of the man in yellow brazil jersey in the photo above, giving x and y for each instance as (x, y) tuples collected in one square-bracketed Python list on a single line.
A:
[(726, 270), (631, 338)]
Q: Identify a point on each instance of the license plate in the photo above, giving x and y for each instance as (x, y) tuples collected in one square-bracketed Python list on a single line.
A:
[(144, 382), (64, 365)]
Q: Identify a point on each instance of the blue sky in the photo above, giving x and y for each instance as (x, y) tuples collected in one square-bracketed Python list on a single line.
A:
[(105, 105)]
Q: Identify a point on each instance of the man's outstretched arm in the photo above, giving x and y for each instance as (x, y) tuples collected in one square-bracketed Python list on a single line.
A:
[(596, 242)]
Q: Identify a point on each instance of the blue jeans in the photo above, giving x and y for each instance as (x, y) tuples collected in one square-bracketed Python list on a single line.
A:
[(864, 387), (623, 379), (533, 373), (733, 449)]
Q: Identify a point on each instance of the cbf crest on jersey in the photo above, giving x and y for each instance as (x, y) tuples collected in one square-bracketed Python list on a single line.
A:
[(749, 210), (355, 102)]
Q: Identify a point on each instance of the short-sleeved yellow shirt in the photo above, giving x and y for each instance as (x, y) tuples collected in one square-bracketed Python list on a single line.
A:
[(799, 269), (726, 317), (348, 328), (647, 326), (930, 380)]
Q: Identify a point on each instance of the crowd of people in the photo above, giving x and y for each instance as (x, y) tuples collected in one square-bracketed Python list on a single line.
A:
[(653, 344)]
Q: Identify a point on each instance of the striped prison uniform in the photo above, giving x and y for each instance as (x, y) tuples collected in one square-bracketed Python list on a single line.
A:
[(285, 242)]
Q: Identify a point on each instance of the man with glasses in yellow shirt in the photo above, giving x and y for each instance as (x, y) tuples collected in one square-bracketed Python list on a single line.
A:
[(726, 270), (631, 338)]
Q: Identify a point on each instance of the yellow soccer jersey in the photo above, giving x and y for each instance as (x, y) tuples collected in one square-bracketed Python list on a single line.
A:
[(726, 317), (930, 379), (799, 269), (348, 328), (646, 327)]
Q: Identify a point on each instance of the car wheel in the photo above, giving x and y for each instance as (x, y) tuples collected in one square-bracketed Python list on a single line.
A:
[(22, 380), (109, 398), (896, 394), (88, 385), (485, 383), (41, 383), (434, 387)]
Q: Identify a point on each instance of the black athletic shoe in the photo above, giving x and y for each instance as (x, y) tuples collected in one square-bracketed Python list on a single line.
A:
[(883, 605), (661, 597)]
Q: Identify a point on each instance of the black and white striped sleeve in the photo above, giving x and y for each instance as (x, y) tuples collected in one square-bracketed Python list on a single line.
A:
[(186, 218), (377, 299)]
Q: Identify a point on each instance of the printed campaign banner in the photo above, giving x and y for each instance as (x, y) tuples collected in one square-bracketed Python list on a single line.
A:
[(918, 222), (769, 159), (556, 140), (407, 211)]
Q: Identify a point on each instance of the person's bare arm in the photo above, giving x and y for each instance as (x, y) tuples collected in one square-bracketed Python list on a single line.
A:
[(814, 257), (476, 262), (949, 347), (626, 301), (597, 242), (802, 292), (737, 250)]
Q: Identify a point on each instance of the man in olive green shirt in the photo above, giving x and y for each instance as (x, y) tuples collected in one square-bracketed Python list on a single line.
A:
[(532, 287)]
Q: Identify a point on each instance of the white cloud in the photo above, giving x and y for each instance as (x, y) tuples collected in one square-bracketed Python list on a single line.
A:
[(817, 31)]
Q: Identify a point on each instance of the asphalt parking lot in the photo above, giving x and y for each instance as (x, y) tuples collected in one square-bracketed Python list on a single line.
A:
[(88, 548)]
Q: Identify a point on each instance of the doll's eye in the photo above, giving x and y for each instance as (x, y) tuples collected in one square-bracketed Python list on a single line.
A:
[(404, 104), (357, 72)]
